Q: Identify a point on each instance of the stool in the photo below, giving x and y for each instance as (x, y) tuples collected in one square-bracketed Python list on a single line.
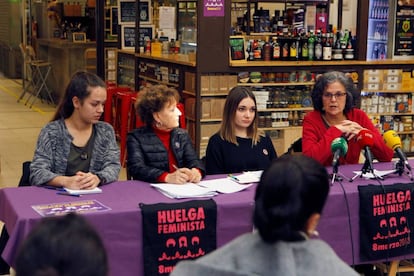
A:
[(122, 116), (40, 71), (109, 104)]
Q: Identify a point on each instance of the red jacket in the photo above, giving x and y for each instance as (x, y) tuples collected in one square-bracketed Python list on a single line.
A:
[(317, 139)]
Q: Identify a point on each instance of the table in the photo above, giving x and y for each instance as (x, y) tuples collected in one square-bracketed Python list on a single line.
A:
[(341, 230), (121, 230)]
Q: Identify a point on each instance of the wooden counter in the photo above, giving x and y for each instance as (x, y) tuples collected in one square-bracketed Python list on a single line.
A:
[(66, 58)]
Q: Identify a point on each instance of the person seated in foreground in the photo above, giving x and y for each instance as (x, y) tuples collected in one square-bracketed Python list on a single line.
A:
[(76, 150), (239, 145), (336, 116), (288, 204), (62, 246), (160, 151)]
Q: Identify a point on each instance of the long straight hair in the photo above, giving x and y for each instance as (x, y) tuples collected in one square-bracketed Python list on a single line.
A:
[(227, 129)]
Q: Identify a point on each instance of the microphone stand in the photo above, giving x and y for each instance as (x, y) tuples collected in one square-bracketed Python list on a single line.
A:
[(400, 168), (336, 176), (367, 168)]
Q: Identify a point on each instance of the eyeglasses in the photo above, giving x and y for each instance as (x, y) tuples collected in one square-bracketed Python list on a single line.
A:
[(336, 95)]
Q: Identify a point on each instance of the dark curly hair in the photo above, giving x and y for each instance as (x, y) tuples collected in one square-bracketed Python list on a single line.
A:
[(328, 78)]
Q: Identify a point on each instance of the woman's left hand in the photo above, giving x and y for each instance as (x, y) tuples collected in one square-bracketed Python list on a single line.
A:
[(88, 180), (195, 175)]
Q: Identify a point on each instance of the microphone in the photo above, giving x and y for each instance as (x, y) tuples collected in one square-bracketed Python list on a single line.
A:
[(365, 139), (393, 141), (339, 147)]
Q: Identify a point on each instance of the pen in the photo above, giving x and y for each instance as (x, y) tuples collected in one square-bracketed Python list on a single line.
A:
[(175, 167), (67, 194), (233, 177)]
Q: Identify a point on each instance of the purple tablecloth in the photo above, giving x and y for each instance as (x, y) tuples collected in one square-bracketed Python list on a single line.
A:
[(121, 229)]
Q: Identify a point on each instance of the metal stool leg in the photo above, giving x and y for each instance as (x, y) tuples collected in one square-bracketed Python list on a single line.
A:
[(41, 83)]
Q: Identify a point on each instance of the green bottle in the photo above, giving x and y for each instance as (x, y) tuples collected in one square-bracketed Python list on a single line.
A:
[(311, 46)]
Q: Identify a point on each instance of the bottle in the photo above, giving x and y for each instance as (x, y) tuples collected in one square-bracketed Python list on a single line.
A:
[(318, 46), (327, 48), (267, 51), (285, 47), (337, 51), (311, 46), (305, 47), (276, 49), (349, 51), (293, 48)]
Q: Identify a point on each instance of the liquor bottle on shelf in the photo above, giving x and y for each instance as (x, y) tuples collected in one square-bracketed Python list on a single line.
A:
[(337, 50), (327, 48), (304, 47), (311, 46), (293, 49), (276, 49), (318, 45), (349, 51)]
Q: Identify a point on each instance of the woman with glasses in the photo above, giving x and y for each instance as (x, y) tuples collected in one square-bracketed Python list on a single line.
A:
[(336, 116), (239, 145)]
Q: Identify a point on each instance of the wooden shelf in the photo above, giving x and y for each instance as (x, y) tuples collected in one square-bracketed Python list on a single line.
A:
[(286, 109), (276, 84), (158, 81)]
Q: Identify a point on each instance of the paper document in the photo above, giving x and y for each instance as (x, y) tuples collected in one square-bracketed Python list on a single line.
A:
[(184, 190), (83, 191), (223, 185), (376, 174), (205, 188), (247, 177)]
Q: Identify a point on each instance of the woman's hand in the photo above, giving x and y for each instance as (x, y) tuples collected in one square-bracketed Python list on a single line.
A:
[(180, 176), (79, 181), (195, 175), (349, 128)]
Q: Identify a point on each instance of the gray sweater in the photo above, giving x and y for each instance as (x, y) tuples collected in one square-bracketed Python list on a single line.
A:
[(53, 147), (249, 255)]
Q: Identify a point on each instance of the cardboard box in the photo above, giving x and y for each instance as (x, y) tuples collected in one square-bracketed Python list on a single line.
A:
[(207, 130), (217, 107), (232, 81), (223, 84), (206, 105), (214, 84), (189, 105), (205, 84), (190, 82)]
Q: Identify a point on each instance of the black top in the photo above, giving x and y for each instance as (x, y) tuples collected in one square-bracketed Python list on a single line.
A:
[(225, 157)]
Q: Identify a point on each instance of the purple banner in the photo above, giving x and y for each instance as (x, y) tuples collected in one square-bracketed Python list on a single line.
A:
[(213, 8)]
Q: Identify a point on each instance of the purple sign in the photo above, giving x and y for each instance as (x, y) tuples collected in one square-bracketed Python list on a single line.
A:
[(213, 7), (62, 208)]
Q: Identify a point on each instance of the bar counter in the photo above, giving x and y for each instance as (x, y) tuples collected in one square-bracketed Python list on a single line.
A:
[(66, 57)]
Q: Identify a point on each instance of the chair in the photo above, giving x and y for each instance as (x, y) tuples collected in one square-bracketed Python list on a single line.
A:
[(37, 74), (4, 236), (122, 117), (90, 60), (295, 147)]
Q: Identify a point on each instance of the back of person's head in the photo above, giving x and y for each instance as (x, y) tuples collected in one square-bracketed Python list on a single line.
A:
[(291, 190), (79, 86), (330, 77), (233, 99), (62, 246), (154, 98)]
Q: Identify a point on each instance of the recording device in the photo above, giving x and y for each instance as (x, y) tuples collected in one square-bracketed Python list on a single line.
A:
[(365, 139), (393, 141), (339, 147)]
